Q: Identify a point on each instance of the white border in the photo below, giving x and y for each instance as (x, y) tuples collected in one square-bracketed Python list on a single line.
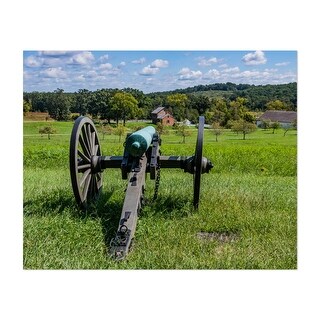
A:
[(154, 25)]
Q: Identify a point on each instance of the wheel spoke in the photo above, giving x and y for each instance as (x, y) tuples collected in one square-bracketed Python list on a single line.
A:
[(86, 186), (83, 156), (96, 147), (84, 146), (84, 177), (84, 166), (95, 187), (86, 139), (92, 187), (99, 180), (93, 139)]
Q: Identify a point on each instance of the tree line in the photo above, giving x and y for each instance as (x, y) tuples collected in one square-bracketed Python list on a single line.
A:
[(235, 102)]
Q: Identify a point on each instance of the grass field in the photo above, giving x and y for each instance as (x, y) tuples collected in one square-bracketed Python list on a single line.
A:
[(247, 217)]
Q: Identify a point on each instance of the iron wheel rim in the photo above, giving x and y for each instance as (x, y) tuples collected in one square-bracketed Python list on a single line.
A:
[(198, 164), (84, 144)]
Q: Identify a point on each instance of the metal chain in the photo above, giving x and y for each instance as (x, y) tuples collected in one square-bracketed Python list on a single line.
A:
[(157, 184)]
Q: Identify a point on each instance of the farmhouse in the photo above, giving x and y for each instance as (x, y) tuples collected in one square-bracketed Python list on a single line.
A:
[(285, 118), (161, 115)]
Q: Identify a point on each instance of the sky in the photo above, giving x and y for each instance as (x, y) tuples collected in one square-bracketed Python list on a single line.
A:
[(153, 71)]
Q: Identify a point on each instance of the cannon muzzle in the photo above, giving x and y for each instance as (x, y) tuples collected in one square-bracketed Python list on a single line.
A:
[(138, 142)]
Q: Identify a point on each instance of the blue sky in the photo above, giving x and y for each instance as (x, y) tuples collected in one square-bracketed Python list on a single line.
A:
[(152, 71)]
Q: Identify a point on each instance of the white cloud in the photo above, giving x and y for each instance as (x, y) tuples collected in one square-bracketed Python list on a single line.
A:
[(82, 58), (104, 58), (105, 66), (231, 70), (139, 61), (271, 70), (54, 73), (92, 74), (250, 74), (254, 58), (80, 78), (212, 74), (148, 70), (207, 62), (159, 63), (33, 61), (122, 64), (223, 66), (281, 64), (187, 74)]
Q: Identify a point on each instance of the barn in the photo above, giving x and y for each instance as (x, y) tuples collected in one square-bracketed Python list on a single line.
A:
[(285, 118), (163, 116)]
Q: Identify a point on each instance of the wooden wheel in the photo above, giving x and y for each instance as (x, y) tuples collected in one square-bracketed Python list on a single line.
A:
[(198, 164), (86, 176)]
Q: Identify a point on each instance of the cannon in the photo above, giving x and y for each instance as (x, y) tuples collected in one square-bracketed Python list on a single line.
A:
[(141, 156)]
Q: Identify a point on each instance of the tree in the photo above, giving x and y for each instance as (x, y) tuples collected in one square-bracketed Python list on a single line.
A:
[(105, 129), (124, 105), (200, 103), (58, 105), (120, 130), (220, 111), (177, 102), (238, 108), (26, 107), (243, 126), (276, 105), (161, 129), (182, 130), (47, 130), (265, 124), (217, 130), (291, 126), (82, 101), (274, 125)]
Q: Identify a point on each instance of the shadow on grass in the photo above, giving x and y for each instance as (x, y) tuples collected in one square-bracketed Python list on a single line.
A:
[(53, 202), (107, 209), (169, 207)]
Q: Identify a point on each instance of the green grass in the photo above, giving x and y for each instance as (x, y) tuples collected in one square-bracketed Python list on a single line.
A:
[(247, 217)]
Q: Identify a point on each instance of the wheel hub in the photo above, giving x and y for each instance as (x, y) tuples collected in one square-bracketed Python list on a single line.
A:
[(95, 164)]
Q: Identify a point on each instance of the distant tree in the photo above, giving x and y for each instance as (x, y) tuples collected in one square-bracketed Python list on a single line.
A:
[(291, 126), (217, 130), (26, 107), (120, 131), (47, 130), (200, 103), (238, 108), (220, 111), (274, 126), (105, 129), (161, 129), (244, 127), (82, 101), (58, 105), (182, 130), (177, 102), (124, 105), (249, 117), (276, 105), (265, 124)]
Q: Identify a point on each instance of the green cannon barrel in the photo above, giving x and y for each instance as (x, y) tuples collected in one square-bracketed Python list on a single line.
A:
[(138, 142)]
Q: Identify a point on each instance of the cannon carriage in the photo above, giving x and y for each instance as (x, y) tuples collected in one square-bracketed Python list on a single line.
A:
[(141, 156)]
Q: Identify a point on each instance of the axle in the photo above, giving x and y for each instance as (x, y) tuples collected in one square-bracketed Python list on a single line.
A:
[(168, 162)]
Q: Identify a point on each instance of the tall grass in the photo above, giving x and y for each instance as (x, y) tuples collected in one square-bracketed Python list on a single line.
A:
[(247, 217)]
